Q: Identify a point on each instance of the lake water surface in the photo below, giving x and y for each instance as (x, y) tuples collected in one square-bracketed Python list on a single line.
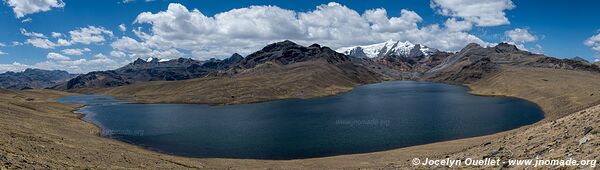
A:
[(370, 118)]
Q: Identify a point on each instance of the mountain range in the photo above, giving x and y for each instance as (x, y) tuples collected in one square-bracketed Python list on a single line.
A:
[(150, 70), (33, 79), (288, 70)]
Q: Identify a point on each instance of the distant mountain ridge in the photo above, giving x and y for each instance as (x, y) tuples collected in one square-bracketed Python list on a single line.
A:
[(33, 79), (150, 70)]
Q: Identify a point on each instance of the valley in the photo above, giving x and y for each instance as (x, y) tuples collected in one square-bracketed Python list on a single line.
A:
[(566, 90), (286, 70)]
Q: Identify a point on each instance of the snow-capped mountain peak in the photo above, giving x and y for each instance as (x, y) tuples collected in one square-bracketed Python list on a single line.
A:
[(390, 47)]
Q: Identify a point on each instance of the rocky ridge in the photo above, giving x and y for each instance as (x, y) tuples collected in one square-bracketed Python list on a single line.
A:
[(475, 62), (33, 79), (150, 70)]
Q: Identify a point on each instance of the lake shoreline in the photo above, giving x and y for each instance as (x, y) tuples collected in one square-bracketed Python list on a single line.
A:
[(373, 90), (476, 89), (88, 150)]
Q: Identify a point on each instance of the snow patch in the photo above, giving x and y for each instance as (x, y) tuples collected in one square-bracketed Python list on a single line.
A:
[(386, 48)]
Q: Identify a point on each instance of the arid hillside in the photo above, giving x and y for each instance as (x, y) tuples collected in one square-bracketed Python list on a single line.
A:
[(278, 71), (558, 92), (475, 62), (267, 81), (39, 133)]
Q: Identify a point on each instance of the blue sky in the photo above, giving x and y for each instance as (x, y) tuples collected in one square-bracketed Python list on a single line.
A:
[(92, 39)]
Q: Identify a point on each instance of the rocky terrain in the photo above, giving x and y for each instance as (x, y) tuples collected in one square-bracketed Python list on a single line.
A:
[(416, 64), (580, 59), (396, 59), (475, 62), (278, 71), (33, 79), (150, 70)]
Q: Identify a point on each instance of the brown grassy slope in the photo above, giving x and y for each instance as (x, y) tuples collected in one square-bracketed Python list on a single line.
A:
[(576, 136), (558, 92), (265, 82), (38, 133)]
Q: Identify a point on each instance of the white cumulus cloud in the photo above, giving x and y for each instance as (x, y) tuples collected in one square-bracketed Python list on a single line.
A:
[(520, 35), (454, 25), (245, 30), (25, 7), (118, 54), (41, 43), (594, 42), (98, 62), (16, 43), (86, 35), (56, 34), (136, 49), (56, 56), (63, 42), (122, 28), (26, 20), (381, 23), (90, 34), (75, 51), (479, 12), (14, 67), (32, 34)]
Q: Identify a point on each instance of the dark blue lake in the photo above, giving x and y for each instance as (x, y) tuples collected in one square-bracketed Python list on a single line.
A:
[(370, 118)]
